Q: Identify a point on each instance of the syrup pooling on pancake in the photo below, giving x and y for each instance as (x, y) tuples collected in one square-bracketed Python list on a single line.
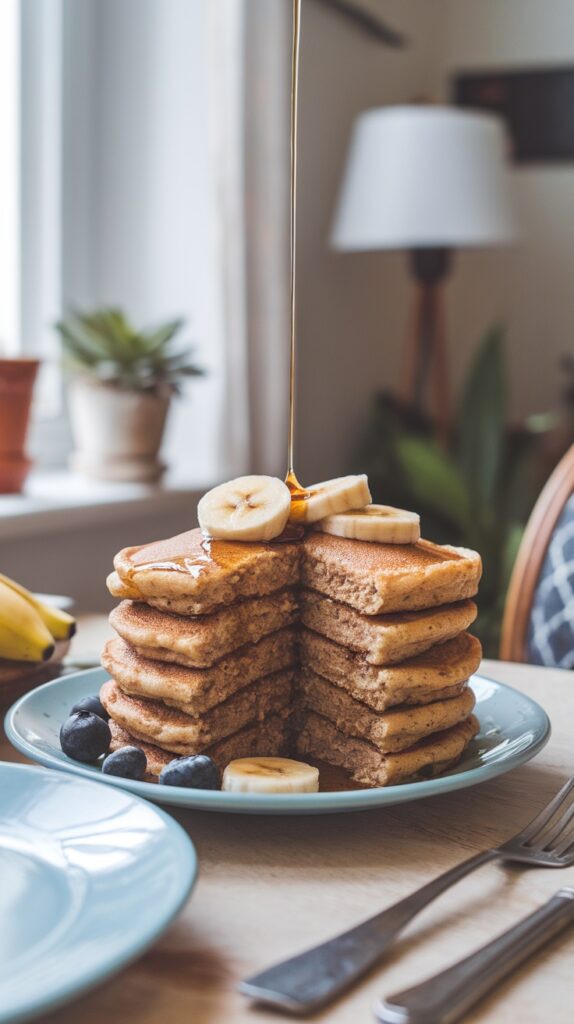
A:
[(193, 566), (203, 553)]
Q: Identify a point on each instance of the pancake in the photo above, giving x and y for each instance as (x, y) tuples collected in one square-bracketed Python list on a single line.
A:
[(202, 641), (382, 578), (196, 690), (384, 639), (154, 722), (440, 672), (264, 739), (317, 737), (202, 574), (389, 731)]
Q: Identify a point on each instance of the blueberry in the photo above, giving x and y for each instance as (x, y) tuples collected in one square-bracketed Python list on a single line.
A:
[(126, 763), (92, 704), (85, 737), (197, 772)]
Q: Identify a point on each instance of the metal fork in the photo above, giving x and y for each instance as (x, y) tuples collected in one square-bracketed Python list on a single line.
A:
[(305, 982)]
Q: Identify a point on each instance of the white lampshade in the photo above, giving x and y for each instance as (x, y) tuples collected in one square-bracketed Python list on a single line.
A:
[(425, 176)]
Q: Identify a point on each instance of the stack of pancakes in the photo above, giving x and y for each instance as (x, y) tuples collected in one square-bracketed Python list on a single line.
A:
[(348, 652)]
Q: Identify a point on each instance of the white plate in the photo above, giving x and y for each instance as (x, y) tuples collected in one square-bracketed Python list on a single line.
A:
[(90, 876), (513, 729)]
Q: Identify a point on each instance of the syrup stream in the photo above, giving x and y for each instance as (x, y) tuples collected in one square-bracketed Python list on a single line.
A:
[(298, 493)]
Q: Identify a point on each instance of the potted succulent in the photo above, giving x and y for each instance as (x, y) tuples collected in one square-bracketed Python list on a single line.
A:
[(17, 378), (121, 385)]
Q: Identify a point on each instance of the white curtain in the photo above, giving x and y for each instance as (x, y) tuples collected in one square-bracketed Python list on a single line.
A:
[(267, 42), (250, 104)]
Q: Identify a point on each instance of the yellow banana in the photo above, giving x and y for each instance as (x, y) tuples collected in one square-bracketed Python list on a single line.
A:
[(60, 624), (23, 634)]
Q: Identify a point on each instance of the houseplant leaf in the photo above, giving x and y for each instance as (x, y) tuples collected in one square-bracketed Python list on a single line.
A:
[(434, 480), (160, 338), (481, 432)]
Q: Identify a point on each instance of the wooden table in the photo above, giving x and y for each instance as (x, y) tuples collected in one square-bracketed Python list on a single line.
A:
[(269, 887)]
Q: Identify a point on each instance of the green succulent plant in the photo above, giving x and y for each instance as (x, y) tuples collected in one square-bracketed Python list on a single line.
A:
[(105, 346), (477, 491)]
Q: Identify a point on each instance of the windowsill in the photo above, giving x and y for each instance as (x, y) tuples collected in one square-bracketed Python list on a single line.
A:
[(61, 500)]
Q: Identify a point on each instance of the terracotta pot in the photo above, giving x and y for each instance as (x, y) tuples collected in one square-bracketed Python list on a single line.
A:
[(117, 433), (17, 378)]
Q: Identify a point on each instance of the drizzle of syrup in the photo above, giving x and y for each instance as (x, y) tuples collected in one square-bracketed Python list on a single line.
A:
[(333, 779), (192, 565), (298, 493), (225, 554), (299, 496)]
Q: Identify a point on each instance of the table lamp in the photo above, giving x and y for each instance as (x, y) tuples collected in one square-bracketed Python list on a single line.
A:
[(427, 179)]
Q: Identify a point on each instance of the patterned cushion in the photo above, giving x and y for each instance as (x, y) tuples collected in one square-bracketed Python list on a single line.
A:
[(550, 639)]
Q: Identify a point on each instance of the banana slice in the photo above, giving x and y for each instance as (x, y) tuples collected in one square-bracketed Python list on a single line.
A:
[(381, 523), (250, 508), (270, 775), (330, 497)]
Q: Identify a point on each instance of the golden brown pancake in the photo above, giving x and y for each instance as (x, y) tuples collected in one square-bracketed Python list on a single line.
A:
[(389, 731), (202, 641), (384, 639), (196, 690), (153, 722), (382, 578), (317, 737), (202, 574), (270, 738), (440, 672)]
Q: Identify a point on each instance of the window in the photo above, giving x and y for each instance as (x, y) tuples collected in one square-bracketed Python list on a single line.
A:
[(110, 193), (30, 189), (9, 175), (141, 135)]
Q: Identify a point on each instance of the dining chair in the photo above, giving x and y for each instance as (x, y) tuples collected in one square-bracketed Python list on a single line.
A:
[(538, 622)]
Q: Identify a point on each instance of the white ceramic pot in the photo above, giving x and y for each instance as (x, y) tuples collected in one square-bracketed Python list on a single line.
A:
[(117, 433)]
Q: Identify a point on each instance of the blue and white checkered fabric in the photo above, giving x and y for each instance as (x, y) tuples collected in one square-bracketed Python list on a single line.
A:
[(550, 639)]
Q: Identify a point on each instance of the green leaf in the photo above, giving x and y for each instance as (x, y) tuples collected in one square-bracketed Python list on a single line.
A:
[(512, 541), (161, 336), (434, 480), (79, 343), (481, 437), (115, 332), (543, 422)]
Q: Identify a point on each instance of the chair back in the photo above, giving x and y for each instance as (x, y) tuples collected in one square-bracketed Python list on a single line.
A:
[(538, 623)]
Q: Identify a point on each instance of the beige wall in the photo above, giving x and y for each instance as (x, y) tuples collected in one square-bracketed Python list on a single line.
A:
[(352, 307), (531, 286)]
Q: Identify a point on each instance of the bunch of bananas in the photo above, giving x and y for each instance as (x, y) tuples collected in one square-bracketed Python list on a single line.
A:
[(28, 628)]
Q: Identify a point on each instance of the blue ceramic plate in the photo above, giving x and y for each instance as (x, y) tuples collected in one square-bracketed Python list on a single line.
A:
[(513, 729), (90, 877)]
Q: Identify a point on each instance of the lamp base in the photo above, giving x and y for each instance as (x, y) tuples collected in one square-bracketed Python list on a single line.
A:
[(426, 347)]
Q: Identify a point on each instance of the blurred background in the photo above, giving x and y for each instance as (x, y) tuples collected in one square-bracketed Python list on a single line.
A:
[(144, 263)]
